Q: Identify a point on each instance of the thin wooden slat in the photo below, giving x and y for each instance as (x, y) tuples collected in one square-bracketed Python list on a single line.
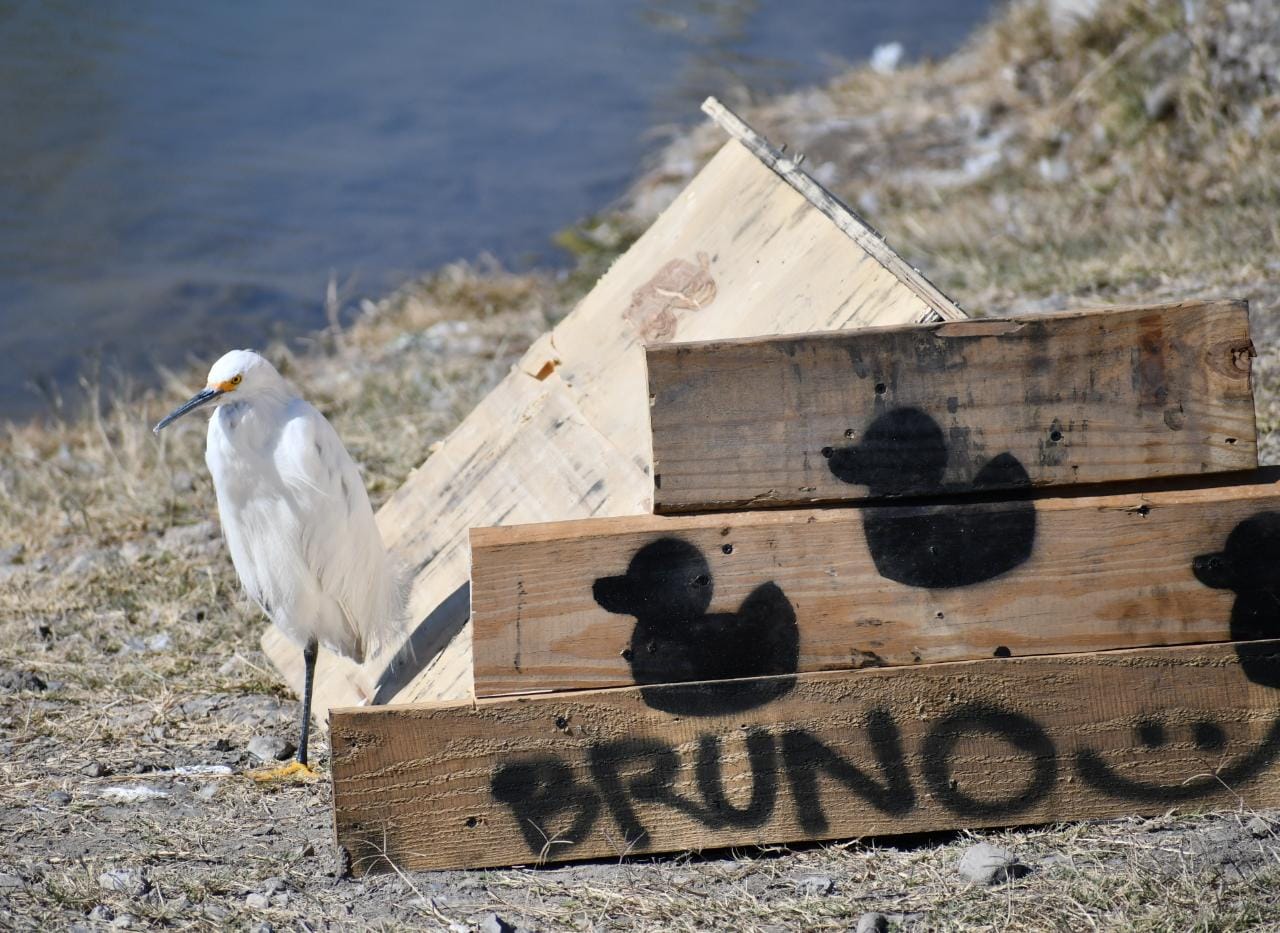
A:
[(1083, 397), (656, 599), (861, 753), (740, 252)]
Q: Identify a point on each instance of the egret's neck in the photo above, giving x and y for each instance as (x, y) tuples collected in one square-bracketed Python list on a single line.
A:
[(252, 421)]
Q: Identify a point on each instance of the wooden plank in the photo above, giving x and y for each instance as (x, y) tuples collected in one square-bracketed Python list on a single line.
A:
[(861, 753), (740, 252), (1081, 397), (659, 599)]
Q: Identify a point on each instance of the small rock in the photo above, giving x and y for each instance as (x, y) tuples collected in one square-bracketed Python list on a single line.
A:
[(257, 901), (128, 881), (88, 562), (987, 864), (1054, 171), (216, 912), (270, 748), (133, 551), (456, 927), (207, 792), (133, 645), (1259, 828), (223, 744), (495, 924), (161, 642), (60, 797), (873, 922), (189, 539), (102, 913), (95, 769), (886, 57), (1056, 860), (123, 922), (263, 927), (815, 886), (274, 885), (134, 793), (15, 681), (280, 900), (1162, 100), (9, 880)]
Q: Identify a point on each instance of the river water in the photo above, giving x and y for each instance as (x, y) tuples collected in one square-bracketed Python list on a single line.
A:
[(178, 178)]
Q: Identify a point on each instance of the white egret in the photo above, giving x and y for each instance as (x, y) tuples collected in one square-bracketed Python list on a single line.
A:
[(297, 520)]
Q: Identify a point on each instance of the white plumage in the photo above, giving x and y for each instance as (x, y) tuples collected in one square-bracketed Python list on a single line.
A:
[(296, 515)]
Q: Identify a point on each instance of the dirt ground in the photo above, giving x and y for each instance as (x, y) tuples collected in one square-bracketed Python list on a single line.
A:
[(1051, 163)]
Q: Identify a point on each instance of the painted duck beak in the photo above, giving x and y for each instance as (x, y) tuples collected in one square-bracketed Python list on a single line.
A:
[(191, 404), (615, 594)]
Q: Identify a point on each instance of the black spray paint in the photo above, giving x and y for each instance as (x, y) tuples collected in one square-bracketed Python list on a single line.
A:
[(867, 768), (1249, 566), (938, 546), (668, 588)]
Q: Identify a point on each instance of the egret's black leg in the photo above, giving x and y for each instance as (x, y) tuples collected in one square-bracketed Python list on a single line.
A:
[(309, 659)]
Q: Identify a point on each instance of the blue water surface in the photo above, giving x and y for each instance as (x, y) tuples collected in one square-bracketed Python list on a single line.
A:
[(177, 178)]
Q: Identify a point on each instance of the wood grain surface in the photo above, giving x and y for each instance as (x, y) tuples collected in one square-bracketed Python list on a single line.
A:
[(604, 774), (708, 596), (1081, 397)]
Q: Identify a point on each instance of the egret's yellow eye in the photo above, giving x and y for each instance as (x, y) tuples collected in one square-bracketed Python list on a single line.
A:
[(236, 379)]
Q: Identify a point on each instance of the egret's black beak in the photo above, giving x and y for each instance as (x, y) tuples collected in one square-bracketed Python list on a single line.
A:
[(204, 395)]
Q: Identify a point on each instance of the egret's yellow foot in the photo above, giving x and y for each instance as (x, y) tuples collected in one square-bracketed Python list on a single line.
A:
[(294, 771)]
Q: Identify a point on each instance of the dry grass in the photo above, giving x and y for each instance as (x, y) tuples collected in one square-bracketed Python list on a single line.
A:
[(1033, 170)]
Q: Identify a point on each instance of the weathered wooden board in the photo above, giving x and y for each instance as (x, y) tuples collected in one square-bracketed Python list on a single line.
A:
[(654, 599), (602, 774), (742, 251), (1083, 397)]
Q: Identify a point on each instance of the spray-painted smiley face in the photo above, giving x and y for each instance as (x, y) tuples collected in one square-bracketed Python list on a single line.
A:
[(1249, 566), (1205, 742)]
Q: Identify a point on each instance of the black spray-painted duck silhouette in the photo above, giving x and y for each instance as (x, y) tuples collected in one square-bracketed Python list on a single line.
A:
[(1249, 566), (904, 452), (668, 587)]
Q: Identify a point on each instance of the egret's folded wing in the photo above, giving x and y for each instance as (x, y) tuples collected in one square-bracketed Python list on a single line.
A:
[(341, 544)]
